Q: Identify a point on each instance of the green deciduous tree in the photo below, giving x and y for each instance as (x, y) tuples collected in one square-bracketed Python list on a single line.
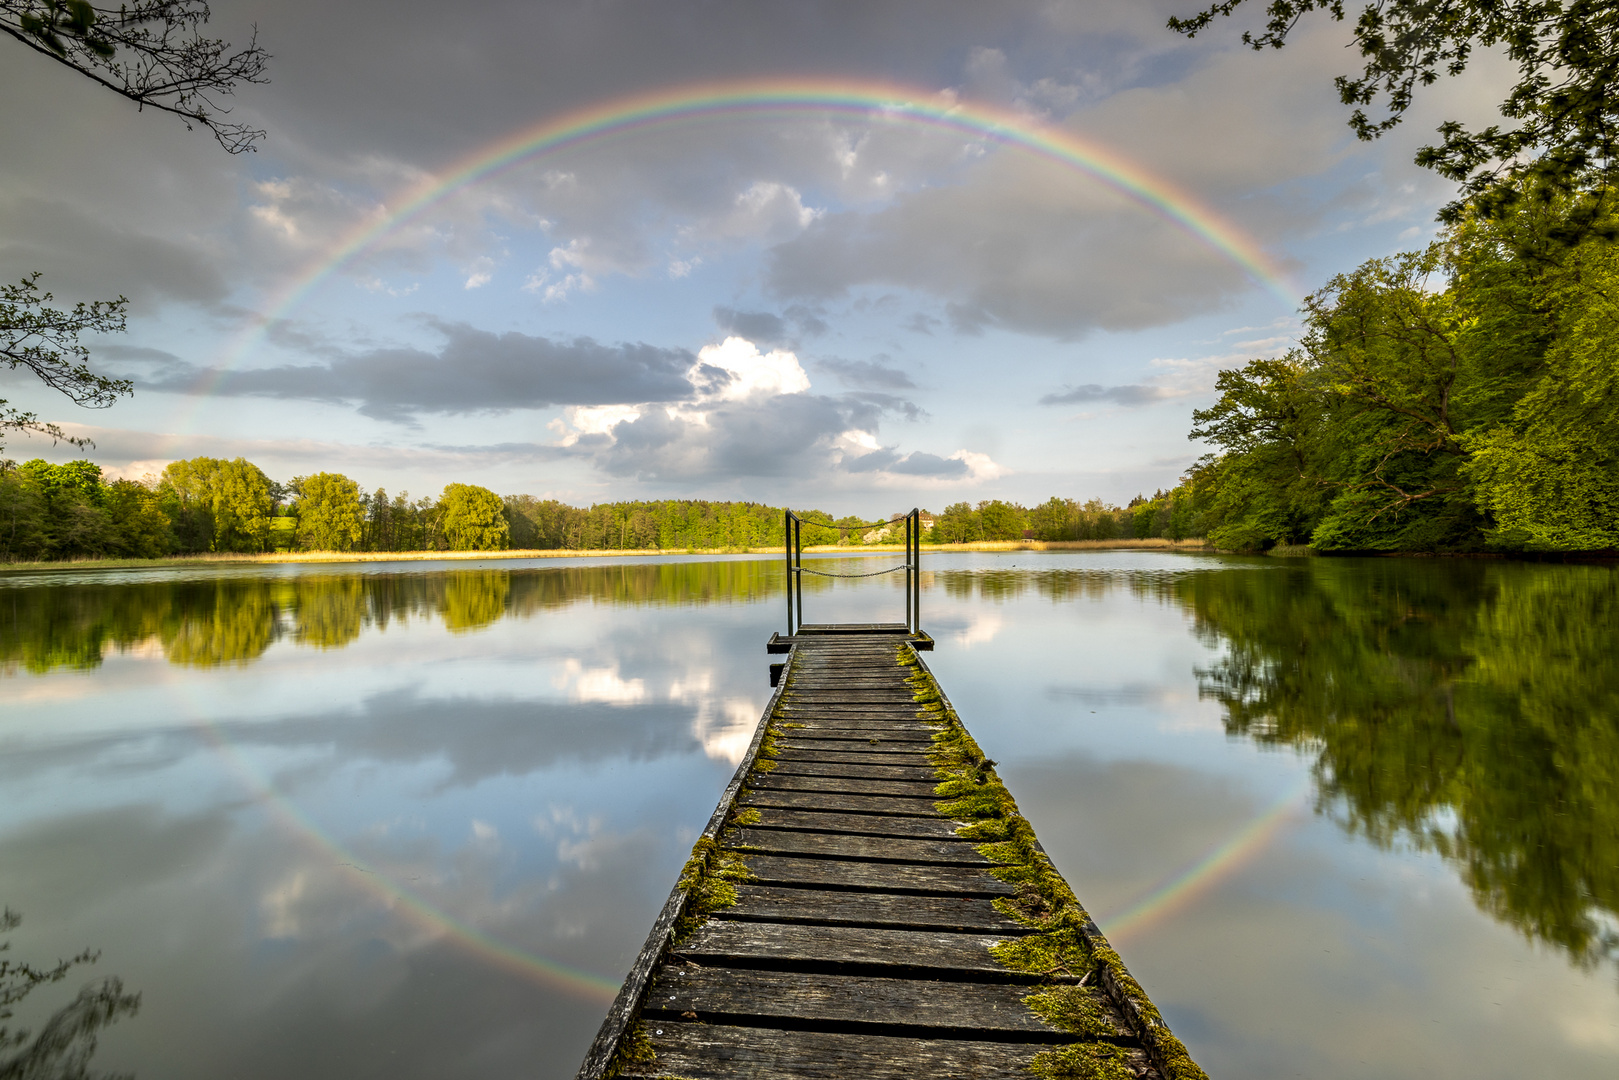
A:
[(330, 516), (472, 518), (1001, 520), (219, 505)]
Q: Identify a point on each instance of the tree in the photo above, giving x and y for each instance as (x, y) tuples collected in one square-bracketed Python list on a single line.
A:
[(46, 341), (472, 518), (330, 517), (149, 51), (136, 522), (1563, 130), (958, 524), (1001, 520), (219, 505)]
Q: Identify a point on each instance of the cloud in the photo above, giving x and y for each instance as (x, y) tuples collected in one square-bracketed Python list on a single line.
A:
[(916, 463), (754, 325), (1129, 395), (83, 256), (749, 373), (474, 371), (768, 328), (1018, 251), (868, 374)]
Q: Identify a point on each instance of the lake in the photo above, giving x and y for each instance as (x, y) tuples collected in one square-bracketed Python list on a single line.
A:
[(1341, 817)]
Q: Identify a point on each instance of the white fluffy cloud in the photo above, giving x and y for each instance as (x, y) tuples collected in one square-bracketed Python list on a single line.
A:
[(751, 373)]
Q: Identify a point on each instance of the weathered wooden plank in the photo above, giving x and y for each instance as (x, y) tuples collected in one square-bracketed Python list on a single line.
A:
[(863, 752), (963, 1009), (841, 785), (715, 1051), (828, 738), (857, 804), (918, 828), (857, 717), (850, 680), (875, 877), (901, 707), (963, 914), (803, 767), (854, 846), (931, 953), (798, 695), (815, 727)]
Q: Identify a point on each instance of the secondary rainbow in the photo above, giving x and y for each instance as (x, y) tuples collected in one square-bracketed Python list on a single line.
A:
[(866, 100)]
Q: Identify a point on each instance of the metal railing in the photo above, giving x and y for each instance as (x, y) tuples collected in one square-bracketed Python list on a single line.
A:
[(912, 566)]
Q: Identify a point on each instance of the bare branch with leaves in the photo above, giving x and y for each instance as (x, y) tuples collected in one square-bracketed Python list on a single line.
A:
[(1562, 112), (152, 52), (45, 340)]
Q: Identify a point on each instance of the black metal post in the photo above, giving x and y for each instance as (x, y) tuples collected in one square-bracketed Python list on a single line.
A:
[(787, 552), (916, 571), (798, 562)]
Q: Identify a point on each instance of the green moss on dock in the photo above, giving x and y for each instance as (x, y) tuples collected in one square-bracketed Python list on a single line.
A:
[(1074, 1009), (634, 1048), (1083, 1061), (1065, 941), (709, 878)]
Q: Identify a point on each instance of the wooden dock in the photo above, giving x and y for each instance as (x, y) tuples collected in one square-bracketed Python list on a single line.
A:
[(867, 902)]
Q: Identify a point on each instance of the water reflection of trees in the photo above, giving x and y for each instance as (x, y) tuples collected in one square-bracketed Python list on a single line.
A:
[(220, 621), (62, 1047), (1471, 709)]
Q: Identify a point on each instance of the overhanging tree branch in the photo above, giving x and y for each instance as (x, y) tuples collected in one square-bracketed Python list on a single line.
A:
[(151, 52), (1562, 114)]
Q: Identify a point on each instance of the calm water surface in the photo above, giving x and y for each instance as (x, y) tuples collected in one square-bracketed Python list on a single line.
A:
[(1342, 818)]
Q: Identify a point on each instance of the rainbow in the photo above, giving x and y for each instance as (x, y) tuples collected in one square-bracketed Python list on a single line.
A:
[(789, 97), (401, 902), (1182, 887)]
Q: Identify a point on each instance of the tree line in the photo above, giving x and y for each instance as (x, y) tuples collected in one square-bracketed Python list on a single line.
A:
[(207, 504)]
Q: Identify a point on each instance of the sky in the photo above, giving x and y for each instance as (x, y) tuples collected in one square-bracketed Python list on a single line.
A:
[(853, 256)]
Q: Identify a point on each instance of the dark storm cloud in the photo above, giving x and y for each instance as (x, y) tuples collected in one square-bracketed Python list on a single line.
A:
[(80, 255), (520, 60), (475, 371), (868, 374), (1130, 395)]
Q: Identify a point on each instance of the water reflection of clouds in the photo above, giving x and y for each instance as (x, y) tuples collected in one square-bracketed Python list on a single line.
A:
[(598, 684)]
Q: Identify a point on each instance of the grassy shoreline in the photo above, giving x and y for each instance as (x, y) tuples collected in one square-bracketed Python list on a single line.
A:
[(276, 557)]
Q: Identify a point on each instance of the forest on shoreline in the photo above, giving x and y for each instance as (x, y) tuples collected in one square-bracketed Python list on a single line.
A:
[(213, 506)]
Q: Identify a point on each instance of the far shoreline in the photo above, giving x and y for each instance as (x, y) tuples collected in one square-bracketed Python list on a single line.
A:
[(358, 557)]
